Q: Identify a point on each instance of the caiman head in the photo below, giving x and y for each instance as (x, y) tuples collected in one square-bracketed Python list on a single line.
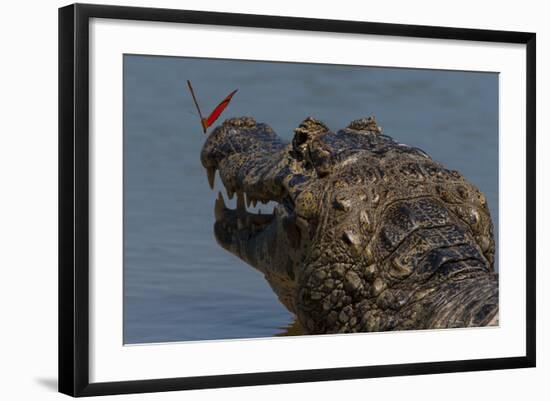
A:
[(367, 234)]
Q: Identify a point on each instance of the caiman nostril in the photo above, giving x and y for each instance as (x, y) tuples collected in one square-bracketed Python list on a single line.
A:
[(365, 124)]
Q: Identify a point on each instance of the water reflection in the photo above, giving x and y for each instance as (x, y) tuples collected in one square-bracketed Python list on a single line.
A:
[(292, 329)]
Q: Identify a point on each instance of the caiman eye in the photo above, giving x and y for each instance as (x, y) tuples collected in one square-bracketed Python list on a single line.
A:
[(308, 146), (319, 156), (299, 145)]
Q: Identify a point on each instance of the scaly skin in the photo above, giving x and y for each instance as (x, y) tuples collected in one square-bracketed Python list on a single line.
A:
[(368, 234)]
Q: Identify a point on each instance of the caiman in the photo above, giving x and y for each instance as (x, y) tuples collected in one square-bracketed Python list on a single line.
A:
[(368, 234)]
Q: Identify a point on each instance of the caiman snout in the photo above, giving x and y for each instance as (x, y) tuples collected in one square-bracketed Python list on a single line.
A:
[(246, 155)]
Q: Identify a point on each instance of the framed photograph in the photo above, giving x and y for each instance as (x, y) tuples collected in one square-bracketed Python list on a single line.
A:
[(250, 199)]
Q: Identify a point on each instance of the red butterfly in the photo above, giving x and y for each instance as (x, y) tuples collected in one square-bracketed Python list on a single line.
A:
[(207, 122)]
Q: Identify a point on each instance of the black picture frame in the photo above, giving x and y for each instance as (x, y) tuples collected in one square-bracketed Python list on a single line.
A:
[(74, 198)]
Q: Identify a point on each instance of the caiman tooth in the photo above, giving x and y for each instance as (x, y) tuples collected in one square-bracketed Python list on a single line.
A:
[(211, 172), (240, 202), (248, 199), (254, 202), (230, 193), (219, 207)]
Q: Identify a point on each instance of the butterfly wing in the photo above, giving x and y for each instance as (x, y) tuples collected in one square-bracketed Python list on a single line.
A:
[(203, 120), (207, 122)]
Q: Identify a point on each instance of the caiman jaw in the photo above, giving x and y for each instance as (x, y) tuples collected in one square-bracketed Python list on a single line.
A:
[(252, 164), (236, 228)]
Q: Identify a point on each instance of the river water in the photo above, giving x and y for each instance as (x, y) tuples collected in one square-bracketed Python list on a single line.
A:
[(179, 285)]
